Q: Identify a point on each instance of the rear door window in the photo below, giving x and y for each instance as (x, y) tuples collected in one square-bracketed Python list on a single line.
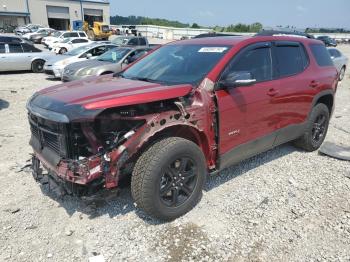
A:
[(81, 34), (15, 48), (2, 49), (290, 58), (321, 55), (27, 48)]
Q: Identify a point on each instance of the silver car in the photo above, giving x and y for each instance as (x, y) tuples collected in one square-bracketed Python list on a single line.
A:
[(340, 61), (112, 61), (55, 65), (22, 56)]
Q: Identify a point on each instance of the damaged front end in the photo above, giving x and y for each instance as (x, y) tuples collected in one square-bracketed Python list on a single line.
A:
[(94, 144), (96, 150)]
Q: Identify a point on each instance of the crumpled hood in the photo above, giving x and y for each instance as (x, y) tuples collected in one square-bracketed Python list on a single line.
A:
[(85, 98)]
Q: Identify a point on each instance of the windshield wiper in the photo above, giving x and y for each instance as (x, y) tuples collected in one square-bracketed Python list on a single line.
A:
[(144, 79)]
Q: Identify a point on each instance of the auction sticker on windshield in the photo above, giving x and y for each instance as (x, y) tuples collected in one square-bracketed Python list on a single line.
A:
[(114, 56), (212, 49)]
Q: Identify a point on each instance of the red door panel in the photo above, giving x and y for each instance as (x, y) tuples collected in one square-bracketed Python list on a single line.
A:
[(246, 113)]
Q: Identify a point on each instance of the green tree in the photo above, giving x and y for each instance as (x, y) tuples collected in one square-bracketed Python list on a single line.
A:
[(195, 25)]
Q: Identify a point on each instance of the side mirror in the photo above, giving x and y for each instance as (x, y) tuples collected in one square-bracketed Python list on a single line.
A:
[(126, 61), (88, 56), (237, 79)]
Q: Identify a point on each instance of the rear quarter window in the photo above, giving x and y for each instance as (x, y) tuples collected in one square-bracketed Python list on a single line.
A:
[(321, 55)]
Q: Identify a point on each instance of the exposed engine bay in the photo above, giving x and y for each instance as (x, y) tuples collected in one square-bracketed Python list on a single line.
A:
[(101, 150)]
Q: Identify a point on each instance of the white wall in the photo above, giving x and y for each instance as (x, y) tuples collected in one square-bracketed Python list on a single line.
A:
[(38, 11), (13, 6)]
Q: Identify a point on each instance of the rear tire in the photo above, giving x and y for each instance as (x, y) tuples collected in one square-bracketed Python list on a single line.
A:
[(342, 73), (62, 51), (168, 178), (38, 66), (316, 129)]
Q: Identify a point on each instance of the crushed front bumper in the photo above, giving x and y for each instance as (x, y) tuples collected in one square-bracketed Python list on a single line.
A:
[(86, 171)]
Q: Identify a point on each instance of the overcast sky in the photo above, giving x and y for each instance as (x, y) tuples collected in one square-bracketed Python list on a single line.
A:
[(299, 13)]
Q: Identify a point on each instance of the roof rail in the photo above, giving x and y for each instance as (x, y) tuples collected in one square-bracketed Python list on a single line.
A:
[(213, 34), (287, 33)]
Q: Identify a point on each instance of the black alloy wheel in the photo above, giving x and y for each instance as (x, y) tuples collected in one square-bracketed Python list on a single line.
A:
[(319, 128), (178, 182), (38, 66)]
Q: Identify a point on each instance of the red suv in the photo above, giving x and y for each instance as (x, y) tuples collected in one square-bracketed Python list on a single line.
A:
[(187, 109)]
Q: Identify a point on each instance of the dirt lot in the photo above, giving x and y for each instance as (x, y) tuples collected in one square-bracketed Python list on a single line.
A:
[(283, 205)]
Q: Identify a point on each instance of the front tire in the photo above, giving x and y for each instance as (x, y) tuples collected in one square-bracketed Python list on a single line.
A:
[(168, 178), (316, 129), (38, 66), (63, 51)]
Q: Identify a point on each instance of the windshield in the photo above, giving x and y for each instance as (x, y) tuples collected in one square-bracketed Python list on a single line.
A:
[(120, 41), (177, 64), (114, 55), (78, 50)]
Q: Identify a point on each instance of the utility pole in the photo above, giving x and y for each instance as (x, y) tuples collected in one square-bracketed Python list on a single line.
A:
[(81, 11), (27, 4)]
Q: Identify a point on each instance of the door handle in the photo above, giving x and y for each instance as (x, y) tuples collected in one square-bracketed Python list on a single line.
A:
[(272, 92), (314, 84)]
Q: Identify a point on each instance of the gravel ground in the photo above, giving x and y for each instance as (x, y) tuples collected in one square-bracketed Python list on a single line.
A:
[(282, 205)]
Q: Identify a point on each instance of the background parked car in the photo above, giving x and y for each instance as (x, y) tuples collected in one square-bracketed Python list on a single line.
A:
[(56, 64), (327, 40), (129, 40), (60, 35), (69, 44), (340, 61), (21, 56), (40, 34), (40, 30), (27, 29), (112, 61)]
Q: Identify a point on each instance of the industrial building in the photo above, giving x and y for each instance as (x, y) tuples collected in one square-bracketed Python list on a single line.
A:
[(57, 14)]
